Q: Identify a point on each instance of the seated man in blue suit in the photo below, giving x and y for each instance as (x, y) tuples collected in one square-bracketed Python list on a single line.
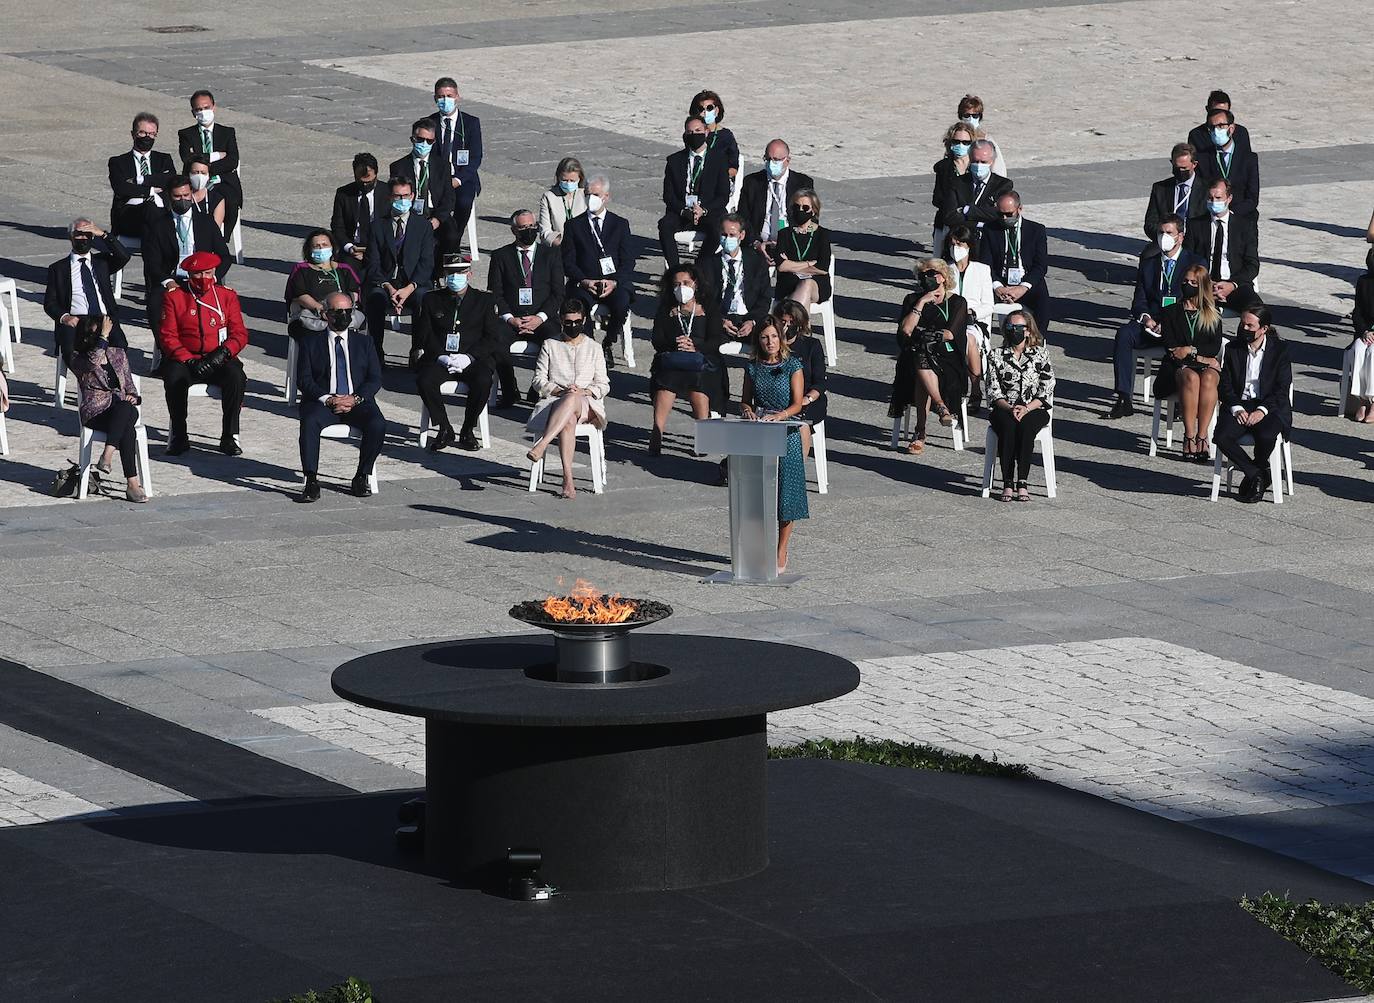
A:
[(1017, 254), (398, 265), (598, 262), (1157, 278), (339, 378)]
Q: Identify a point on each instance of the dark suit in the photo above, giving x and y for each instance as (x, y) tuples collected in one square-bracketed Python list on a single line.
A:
[(1275, 383), (225, 140), (344, 223), (753, 200), (1242, 254), (980, 201), (126, 219), (412, 261), (1201, 138), (711, 186), (107, 257), (479, 335), (1163, 195), (467, 138), (1242, 172), (506, 278), (994, 251), (754, 285), (312, 379), (436, 201), (162, 255), (582, 253), (1152, 283)]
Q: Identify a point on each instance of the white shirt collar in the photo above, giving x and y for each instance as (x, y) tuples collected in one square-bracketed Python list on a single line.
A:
[(74, 257)]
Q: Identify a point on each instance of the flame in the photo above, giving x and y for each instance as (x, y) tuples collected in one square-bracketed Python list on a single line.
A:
[(587, 604)]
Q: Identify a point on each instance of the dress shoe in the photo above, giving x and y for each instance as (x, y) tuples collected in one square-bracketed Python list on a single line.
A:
[(229, 446), (177, 445), (655, 442), (359, 486), (507, 401), (468, 441), (443, 437), (1123, 408), (311, 491), (531, 396), (1250, 491), (1266, 482), (610, 356)]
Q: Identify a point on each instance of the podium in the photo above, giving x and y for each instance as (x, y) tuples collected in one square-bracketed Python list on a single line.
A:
[(753, 448)]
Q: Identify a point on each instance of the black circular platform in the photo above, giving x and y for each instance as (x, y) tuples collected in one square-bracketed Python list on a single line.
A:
[(656, 784)]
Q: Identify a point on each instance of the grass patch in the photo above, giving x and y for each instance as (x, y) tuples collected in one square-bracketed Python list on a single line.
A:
[(350, 990), (885, 752), (1341, 937)]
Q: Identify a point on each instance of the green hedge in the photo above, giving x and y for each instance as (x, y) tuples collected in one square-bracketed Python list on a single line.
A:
[(1341, 937), (351, 990), (884, 752)]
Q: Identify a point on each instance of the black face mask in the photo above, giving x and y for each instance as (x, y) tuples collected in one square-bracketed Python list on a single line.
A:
[(694, 140), (1010, 224), (526, 236), (81, 242), (367, 186), (930, 281), (1250, 337), (798, 215), (144, 143), (180, 206), (572, 328), (1182, 174), (1016, 334), (1188, 290), (338, 319)]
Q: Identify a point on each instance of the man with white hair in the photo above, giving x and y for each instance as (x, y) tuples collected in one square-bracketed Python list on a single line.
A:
[(79, 284), (597, 259), (972, 199)]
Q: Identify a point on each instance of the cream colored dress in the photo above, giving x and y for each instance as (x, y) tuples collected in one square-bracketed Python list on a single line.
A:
[(562, 364)]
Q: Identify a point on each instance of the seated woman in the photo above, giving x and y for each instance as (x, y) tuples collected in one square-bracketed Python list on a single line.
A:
[(687, 363), (958, 141), (721, 141), (1020, 385), (803, 252), (773, 383), (314, 278), (109, 399), (1360, 354), (932, 355), (566, 199), (570, 379), (204, 198), (1191, 367), (794, 321), (973, 281)]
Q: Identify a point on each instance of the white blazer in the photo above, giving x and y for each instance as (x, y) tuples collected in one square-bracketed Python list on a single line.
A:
[(977, 290), (553, 214)]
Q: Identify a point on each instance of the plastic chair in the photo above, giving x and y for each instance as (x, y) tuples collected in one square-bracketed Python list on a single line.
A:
[(1347, 380), (1141, 359), (483, 421), (293, 352), (958, 431), (472, 234), (1281, 456), (1044, 439), (6, 345), (596, 448), (826, 312), (4, 436), (59, 400), (689, 243), (212, 392), (1171, 404), (16, 330), (134, 245), (601, 317), (90, 438), (343, 433), (818, 451)]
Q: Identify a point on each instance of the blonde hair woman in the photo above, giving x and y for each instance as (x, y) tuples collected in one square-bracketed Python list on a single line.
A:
[(564, 200), (932, 350), (1191, 367)]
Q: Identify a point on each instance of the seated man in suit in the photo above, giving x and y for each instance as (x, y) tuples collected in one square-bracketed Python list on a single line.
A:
[(1158, 279), (1229, 245), (79, 285), (220, 143), (354, 206), (765, 195), (598, 262), (1017, 253), (399, 262), (1200, 135), (171, 235), (137, 176), (1226, 161), (736, 278), (695, 190), (527, 280), (1254, 399), (459, 138), (339, 379), (428, 172), (456, 336), (1179, 195), (972, 199), (202, 335)]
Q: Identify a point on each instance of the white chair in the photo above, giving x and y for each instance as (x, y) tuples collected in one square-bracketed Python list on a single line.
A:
[(343, 433), (4, 436), (212, 392), (236, 239), (1142, 362), (90, 439), (16, 330), (826, 312), (1169, 405), (958, 431), (1044, 439), (472, 234), (818, 451), (293, 351), (134, 245), (689, 244), (483, 421), (1281, 457), (596, 448), (6, 345), (601, 317), (1347, 379), (1000, 312), (59, 393)]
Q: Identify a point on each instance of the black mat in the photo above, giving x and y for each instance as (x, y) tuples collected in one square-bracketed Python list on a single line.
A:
[(884, 884)]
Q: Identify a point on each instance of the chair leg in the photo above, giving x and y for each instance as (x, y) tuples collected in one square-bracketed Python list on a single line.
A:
[(598, 485), (60, 385), (1288, 463), (1347, 375), (989, 458), (1047, 459), (627, 343), (828, 327), (898, 430), (424, 424), (472, 235), (536, 474), (145, 468), (822, 463), (84, 461), (1276, 472), (4, 437), (484, 428)]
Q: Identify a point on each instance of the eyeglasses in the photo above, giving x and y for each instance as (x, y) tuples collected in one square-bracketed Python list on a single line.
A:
[(146, 135), (1008, 215), (933, 273)]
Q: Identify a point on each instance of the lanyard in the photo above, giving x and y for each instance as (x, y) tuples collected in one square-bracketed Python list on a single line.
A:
[(592, 221), (333, 275), (961, 282), (687, 326), (456, 306), (1224, 165), (201, 319), (944, 310), (1191, 316), (802, 255), (1168, 271), (568, 202), (1014, 244), (693, 176)]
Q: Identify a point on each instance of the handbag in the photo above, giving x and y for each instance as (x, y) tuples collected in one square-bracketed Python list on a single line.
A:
[(683, 362)]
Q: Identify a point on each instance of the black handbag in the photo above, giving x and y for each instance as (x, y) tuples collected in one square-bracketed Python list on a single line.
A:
[(683, 362)]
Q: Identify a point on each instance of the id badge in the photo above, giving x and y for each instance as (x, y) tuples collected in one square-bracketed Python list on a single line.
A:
[(223, 335), (451, 343), (607, 266), (526, 296), (1169, 300), (692, 201), (1015, 276), (461, 158)]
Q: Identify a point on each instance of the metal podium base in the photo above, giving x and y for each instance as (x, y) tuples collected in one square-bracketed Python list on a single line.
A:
[(730, 578)]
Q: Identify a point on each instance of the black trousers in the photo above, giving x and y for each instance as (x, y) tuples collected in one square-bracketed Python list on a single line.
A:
[(477, 377), (377, 306), (366, 416), (176, 383), (1016, 440), (1229, 433), (669, 225), (153, 294), (117, 422)]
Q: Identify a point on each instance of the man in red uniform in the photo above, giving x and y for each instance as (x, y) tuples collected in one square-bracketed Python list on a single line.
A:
[(202, 335)]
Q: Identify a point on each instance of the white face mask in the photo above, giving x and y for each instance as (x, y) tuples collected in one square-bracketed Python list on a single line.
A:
[(595, 203), (959, 252), (1167, 242), (199, 182), (684, 293), (206, 117)]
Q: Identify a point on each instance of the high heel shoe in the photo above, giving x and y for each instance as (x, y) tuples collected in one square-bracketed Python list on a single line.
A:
[(942, 413), (655, 442)]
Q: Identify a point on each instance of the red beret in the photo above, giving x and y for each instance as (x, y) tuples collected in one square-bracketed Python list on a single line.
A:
[(201, 261)]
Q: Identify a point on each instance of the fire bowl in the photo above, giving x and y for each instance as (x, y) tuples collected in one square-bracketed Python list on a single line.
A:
[(590, 652)]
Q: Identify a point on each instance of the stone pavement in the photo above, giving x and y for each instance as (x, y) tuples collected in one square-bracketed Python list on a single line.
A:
[(1208, 662)]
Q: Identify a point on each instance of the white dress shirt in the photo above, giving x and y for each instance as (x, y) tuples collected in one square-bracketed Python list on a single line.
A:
[(781, 182), (736, 305), (80, 307), (1020, 252), (1225, 222), (188, 247), (1254, 358)]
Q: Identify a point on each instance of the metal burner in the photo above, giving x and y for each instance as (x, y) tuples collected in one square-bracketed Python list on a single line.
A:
[(594, 652)]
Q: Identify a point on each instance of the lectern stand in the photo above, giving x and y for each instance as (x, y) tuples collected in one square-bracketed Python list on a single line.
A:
[(753, 448)]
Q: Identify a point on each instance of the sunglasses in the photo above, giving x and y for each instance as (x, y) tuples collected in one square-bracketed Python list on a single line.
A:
[(1008, 215)]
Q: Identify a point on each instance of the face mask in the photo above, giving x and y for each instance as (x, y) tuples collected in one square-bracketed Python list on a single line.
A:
[(930, 281), (774, 168), (1016, 334), (144, 143), (572, 328), (972, 121), (694, 140), (421, 147), (456, 282), (81, 242), (980, 171), (367, 186), (1220, 136), (958, 252), (319, 255), (180, 206), (446, 105), (960, 149), (567, 187), (798, 215), (400, 206), (595, 203), (1182, 174), (1010, 224), (206, 117), (730, 244), (1250, 337), (199, 182), (526, 236), (1188, 289), (709, 116), (201, 283), (1216, 206), (1167, 242), (684, 293), (338, 319)]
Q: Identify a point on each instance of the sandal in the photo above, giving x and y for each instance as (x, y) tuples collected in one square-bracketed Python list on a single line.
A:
[(1022, 491), (1007, 494), (917, 447), (1361, 413), (943, 414), (1188, 451)]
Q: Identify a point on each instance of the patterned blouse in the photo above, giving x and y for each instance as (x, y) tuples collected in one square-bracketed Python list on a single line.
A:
[(1020, 381)]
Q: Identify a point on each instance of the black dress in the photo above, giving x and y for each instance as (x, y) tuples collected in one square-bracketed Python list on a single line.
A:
[(722, 143), (946, 173), (1177, 333), (948, 360), (707, 335), (794, 246), (1363, 314), (318, 283), (811, 354)]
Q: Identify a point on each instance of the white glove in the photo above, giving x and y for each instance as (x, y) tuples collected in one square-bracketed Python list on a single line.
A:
[(455, 363)]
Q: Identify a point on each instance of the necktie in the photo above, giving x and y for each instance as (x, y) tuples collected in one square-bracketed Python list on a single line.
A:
[(340, 367), (1217, 241), (775, 210), (596, 224), (143, 169), (448, 135), (731, 281), (88, 287), (1181, 200), (207, 141), (360, 224), (422, 192), (525, 265), (183, 231), (977, 192)]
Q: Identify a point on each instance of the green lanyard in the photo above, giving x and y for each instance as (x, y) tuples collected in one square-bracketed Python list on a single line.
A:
[(944, 310), (802, 255), (424, 177), (1191, 316), (695, 176), (568, 201), (1223, 166), (1014, 242), (1169, 264), (961, 282), (333, 274)]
